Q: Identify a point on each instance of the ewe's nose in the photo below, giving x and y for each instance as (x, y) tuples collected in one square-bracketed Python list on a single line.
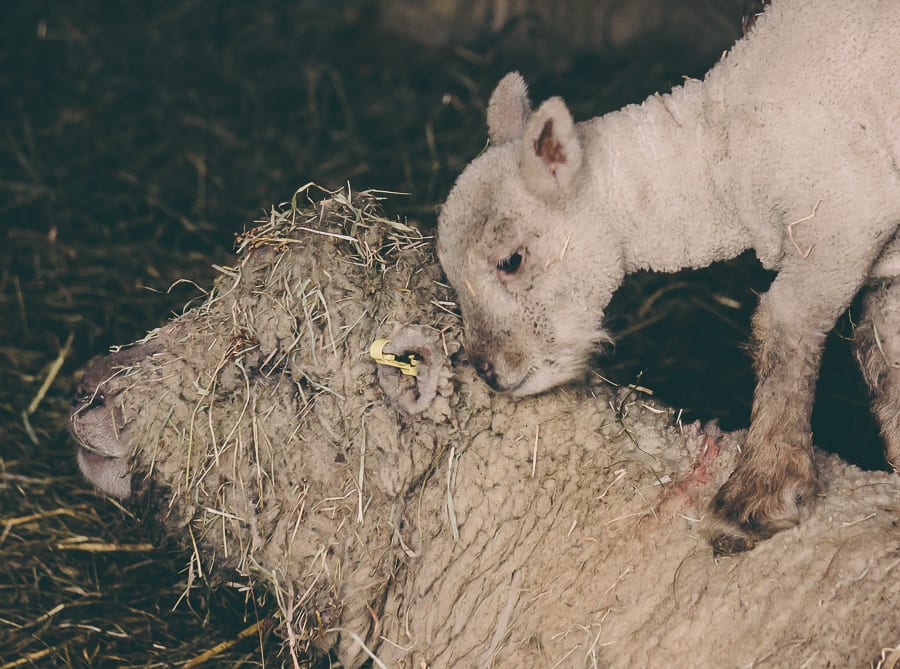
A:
[(87, 398), (485, 369)]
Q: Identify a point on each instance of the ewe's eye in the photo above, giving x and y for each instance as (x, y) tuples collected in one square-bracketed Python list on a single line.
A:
[(510, 264)]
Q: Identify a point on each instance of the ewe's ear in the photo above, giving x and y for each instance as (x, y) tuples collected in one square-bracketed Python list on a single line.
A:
[(551, 151), (508, 109)]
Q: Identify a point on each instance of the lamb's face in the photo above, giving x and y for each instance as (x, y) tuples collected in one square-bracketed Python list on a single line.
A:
[(532, 294)]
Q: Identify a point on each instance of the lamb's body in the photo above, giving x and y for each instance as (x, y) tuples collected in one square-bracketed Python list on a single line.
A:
[(791, 147)]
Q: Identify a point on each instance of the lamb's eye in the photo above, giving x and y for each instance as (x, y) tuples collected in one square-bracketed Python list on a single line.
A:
[(510, 264)]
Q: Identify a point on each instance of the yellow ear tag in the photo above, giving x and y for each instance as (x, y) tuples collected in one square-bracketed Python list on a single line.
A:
[(407, 364)]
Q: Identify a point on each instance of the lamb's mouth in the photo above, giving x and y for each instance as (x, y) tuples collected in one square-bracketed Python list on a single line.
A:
[(514, 389), (541, 378)]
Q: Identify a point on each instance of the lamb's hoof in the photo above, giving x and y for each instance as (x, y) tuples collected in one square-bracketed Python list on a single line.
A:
[(750, 508), (728, 540)]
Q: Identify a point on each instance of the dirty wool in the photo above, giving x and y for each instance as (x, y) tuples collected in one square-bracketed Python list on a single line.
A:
[(423, 521)]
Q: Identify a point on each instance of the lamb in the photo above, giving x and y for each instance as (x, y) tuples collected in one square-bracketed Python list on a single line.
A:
[(429, 522), (790, 146)]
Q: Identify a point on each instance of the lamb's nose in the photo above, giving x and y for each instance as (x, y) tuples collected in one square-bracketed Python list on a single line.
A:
[(485, 370)]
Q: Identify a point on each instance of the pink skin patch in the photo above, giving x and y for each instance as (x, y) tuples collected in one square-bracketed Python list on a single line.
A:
[(702, 469), (684, 497)]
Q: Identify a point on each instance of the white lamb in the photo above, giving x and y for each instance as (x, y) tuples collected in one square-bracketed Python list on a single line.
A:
[(790, 146)]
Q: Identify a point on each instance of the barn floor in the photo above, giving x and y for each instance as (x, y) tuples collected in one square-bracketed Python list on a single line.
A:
[(135, 143)]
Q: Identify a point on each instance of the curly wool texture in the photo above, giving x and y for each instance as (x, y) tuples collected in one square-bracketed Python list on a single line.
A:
[(479, 531)]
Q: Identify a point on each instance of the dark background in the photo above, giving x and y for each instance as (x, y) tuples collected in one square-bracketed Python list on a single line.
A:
[(137, 138)]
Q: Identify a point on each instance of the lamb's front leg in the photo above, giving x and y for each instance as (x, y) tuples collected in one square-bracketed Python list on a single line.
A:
[(775, 477)]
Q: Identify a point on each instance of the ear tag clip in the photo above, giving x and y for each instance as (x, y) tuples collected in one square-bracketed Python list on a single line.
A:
[(407, 364)]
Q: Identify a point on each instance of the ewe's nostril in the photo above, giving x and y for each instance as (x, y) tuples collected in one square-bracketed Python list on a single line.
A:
[(86, 399), (485, 370)]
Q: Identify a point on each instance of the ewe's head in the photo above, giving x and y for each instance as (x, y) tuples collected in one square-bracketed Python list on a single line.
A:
[(514, 240)]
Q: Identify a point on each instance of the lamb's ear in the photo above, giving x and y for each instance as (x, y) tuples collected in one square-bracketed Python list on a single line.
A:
[(508, 109), (551, 151)]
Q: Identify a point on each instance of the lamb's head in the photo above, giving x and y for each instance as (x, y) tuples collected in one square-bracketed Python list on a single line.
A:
[(514, 240)]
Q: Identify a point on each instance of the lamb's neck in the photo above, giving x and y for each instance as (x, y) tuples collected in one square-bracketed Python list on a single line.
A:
[(654, 173)]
